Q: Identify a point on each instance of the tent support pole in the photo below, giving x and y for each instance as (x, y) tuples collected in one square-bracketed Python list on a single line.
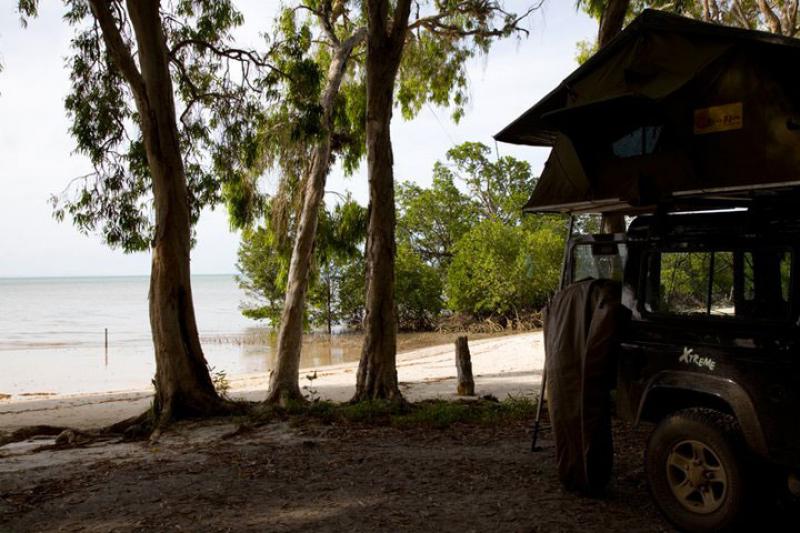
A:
[(537, 423)]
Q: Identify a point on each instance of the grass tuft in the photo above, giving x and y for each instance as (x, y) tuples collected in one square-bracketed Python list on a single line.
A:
[(436, 414)]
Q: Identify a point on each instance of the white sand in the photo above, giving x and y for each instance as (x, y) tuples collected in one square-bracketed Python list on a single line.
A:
[(502, 366)]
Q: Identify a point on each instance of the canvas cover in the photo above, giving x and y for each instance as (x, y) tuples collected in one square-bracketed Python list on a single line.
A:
[(579, 330), (672, 108)]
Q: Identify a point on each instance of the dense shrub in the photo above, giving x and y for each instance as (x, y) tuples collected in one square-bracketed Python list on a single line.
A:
[(500, 269)]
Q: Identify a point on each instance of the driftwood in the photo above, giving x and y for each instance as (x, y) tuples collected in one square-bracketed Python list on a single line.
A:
[(466, 384)]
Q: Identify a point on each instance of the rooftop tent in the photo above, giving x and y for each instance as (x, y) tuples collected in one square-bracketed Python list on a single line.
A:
[(671, 109)]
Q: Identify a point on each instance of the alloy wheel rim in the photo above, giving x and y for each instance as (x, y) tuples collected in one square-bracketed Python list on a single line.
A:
[(697, 477)]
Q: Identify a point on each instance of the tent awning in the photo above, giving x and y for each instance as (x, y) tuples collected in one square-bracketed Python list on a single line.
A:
[(672, 107)]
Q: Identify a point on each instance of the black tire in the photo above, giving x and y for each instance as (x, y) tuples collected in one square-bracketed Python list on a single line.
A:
[(696, 468)]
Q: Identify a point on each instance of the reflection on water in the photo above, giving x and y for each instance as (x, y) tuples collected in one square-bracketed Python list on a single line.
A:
[(259, 347), (86, 368)]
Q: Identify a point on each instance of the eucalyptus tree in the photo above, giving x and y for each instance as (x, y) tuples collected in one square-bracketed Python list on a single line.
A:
[(167, 110), (330, 34), (264, 256), (431, 70), (425, 56)]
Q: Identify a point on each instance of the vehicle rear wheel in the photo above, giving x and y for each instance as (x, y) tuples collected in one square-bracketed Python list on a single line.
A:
[(695, 464)]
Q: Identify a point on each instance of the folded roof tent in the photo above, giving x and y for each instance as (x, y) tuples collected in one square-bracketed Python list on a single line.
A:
[(671, 109)]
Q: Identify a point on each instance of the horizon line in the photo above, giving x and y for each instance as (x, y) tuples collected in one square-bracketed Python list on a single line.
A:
[(89, 276)]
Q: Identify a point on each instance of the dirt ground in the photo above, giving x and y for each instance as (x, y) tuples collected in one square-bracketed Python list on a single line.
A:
[(321, 478)]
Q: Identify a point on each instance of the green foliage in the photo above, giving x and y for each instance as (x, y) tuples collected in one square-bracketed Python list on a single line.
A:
[(500, 269), (432, 220), (501, 187), (265, 253), (490, 258), (220, 94), (471, 252), (220, 380), (340, 266), (419, 290), (443, 37), (263, 268)]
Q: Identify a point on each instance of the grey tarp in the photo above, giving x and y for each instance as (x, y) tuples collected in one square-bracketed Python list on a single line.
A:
[(679, 77), (579, 330)]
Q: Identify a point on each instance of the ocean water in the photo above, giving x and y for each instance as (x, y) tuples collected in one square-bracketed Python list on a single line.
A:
[(52, 333)]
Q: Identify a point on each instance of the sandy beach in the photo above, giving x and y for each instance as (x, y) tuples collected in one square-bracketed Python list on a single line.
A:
[(502, 366)]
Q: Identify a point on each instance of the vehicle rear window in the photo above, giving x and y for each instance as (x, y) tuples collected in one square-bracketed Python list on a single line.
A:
[(751, 284)]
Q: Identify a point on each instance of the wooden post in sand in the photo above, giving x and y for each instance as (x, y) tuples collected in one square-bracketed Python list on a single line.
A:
[(466, 385)]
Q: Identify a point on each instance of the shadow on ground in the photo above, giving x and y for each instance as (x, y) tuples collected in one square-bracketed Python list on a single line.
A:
[(328, 478)]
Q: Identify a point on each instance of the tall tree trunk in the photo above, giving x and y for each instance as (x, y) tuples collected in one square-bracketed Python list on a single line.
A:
[(377, 369), (329, 302), (611, 23), (183, 384), (284, 382), (612, 20)]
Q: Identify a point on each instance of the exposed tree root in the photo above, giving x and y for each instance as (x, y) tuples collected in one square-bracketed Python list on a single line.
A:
[(29, 432), (147, 425), (285, 395)]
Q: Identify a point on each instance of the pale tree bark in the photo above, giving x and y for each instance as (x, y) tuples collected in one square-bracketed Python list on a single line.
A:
[(790, 10), (183, 384), (740, 14), (284, 379), (611, 23), (377, 370), (772, 20)]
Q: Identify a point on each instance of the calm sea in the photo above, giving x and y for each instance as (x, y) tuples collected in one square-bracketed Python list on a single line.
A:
[(52, 333)]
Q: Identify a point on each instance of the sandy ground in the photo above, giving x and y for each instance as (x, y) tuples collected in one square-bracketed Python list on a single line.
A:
[(308, 476), (501, 366), (323, 478)]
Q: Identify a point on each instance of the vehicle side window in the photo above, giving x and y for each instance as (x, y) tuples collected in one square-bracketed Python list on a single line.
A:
[(588, 265), (751, 284), (783, 259)]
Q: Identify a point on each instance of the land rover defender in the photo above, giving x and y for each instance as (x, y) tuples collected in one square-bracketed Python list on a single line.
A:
[(710, 353)]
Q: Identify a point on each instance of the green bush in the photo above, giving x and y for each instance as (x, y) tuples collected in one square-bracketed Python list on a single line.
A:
[(500, 269), (418, 290)]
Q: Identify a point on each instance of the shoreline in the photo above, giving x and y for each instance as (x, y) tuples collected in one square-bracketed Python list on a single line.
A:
[(502, 366)]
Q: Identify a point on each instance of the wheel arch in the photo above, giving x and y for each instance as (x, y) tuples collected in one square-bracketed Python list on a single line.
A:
[(670, 391)]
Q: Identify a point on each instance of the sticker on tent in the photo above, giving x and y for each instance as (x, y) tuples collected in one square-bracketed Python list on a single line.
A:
[(718, 118)]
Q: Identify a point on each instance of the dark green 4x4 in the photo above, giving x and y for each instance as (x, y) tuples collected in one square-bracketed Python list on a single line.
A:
[(711, 353)]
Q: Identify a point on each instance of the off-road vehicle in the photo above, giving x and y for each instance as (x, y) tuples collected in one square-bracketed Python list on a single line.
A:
[(710, 353)]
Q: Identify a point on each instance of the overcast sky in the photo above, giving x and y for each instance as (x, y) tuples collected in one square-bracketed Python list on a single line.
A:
[(36, 157)]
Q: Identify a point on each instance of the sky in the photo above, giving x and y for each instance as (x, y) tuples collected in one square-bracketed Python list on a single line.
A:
[(37, 159)]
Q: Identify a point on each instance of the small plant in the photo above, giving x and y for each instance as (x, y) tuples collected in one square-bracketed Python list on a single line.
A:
[(313, 394), (220, 380)]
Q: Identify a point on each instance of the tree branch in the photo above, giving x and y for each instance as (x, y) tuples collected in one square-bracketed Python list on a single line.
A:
[(434, 23), (119, 51), (773, 21), (236, 54), (402, 11)]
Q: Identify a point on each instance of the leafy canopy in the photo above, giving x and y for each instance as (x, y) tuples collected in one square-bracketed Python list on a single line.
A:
[(220, 94)]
